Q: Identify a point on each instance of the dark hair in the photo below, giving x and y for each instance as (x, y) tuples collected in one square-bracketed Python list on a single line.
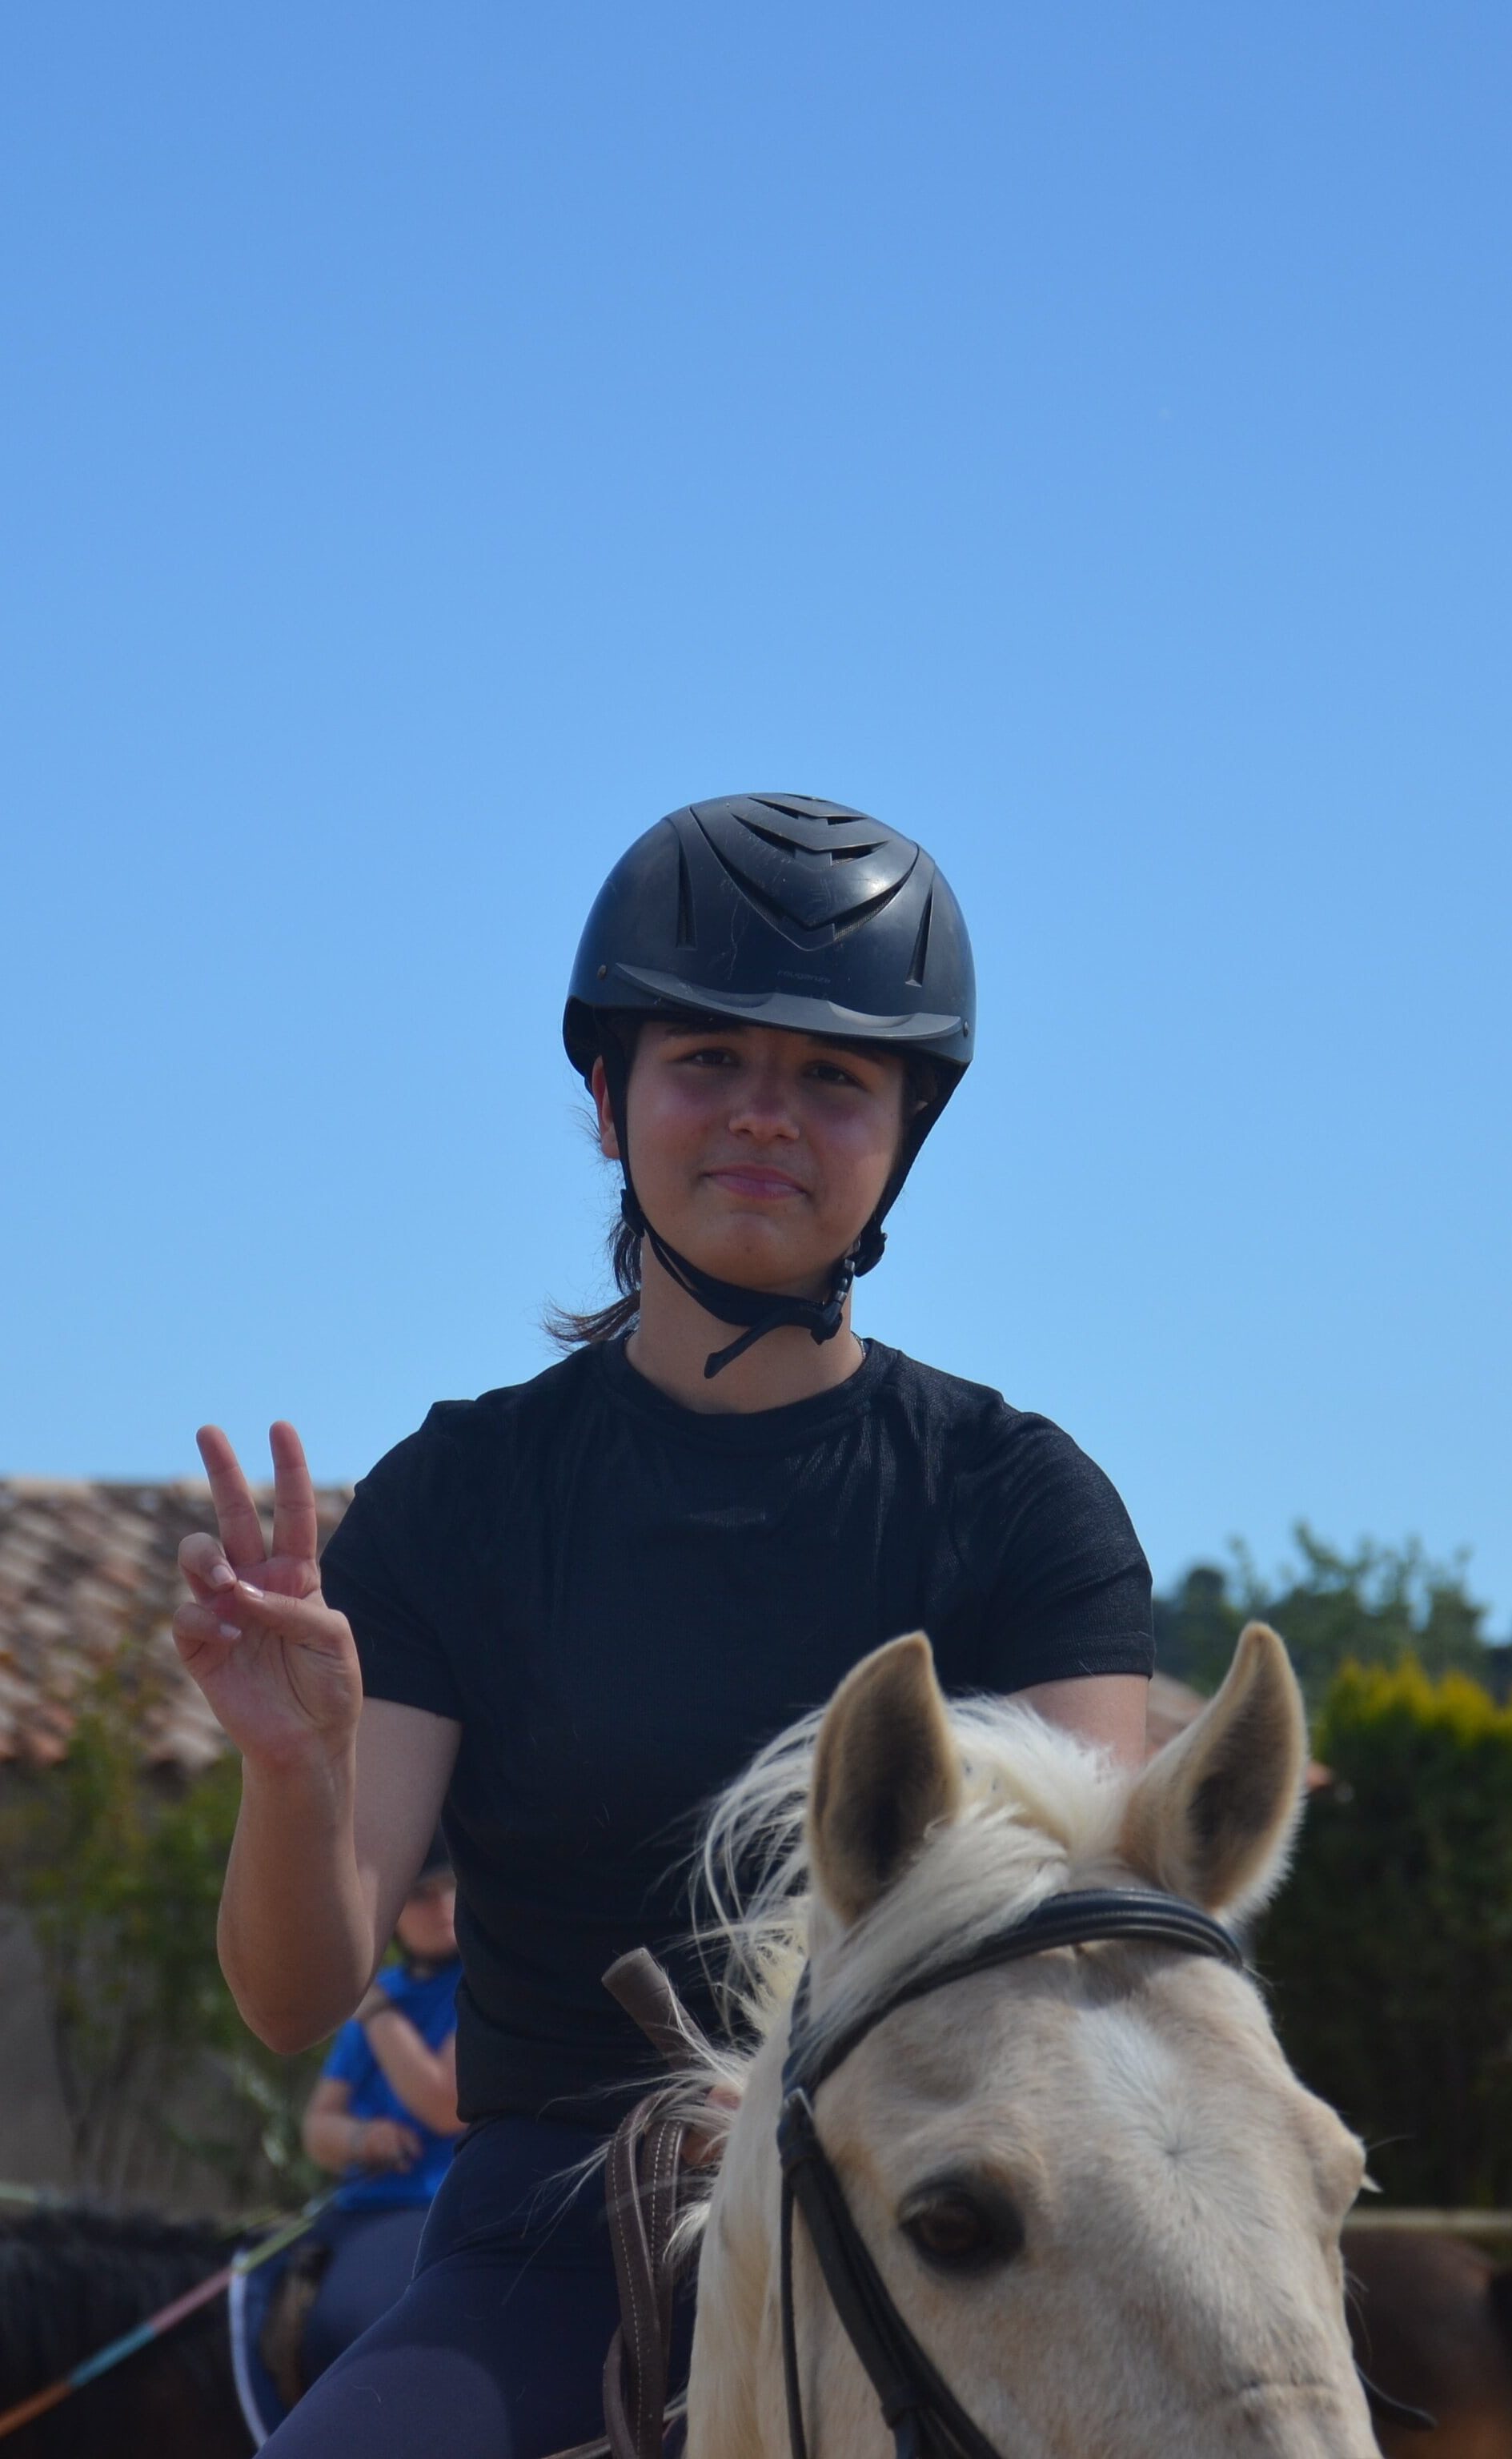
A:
[(570, 1330)]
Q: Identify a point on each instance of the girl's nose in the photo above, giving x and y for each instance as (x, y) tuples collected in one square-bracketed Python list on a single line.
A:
[(763, 1105)]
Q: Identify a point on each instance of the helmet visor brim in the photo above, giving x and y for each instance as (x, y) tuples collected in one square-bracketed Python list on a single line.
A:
[(787, 1011)]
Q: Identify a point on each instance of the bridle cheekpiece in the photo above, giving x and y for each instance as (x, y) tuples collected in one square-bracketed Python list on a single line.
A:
[(921, 2411)]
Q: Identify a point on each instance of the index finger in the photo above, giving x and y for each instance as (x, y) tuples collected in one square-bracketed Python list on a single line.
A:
[(296, 1531), (236, 1512)]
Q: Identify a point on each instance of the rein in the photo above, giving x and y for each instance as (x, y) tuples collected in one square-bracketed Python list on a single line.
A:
[(642, 2198)]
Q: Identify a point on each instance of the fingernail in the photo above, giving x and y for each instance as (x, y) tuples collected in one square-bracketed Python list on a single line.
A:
[(222, 1576), (248, 1590), (229, 1629)]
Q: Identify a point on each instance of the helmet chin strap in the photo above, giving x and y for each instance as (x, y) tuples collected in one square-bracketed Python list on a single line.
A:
[(758, 1309)]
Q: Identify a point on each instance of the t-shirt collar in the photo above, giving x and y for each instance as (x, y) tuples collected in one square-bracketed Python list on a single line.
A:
[(740, 1430)]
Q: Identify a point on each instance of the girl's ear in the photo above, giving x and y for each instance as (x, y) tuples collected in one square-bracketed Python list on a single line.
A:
[(1212, 1817), (885, 1769), (598, 1087)]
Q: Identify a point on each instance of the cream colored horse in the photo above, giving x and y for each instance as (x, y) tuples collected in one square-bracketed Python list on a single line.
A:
[(1099, 2197)]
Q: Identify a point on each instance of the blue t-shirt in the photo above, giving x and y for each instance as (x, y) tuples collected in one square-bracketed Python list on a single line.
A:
[(431, 2005)]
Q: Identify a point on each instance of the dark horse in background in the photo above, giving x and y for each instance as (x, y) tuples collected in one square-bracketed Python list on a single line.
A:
[(73, 2279), (1430, 2320)]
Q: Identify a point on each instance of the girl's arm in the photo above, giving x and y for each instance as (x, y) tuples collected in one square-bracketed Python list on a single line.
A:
[(1106, 1710), (336, 2140), (323, 1858), (423, 2079)]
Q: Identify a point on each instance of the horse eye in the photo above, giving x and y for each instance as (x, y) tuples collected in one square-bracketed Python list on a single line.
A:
[(960, 2231)]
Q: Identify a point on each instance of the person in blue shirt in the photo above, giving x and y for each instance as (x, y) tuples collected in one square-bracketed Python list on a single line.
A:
[(384, 2118)]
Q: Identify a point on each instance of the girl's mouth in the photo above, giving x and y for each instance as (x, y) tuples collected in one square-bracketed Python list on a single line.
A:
[(763, 1186)]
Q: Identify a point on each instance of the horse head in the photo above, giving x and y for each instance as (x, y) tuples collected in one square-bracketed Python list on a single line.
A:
[(1090, 2186)]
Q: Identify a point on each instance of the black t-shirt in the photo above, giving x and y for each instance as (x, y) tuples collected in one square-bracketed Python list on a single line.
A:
[(619, 1599)]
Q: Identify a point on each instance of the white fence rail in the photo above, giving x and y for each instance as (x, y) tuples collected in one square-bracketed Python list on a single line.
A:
[(1492, 2224)]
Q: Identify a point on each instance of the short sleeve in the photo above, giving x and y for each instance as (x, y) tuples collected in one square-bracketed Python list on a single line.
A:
[(385, 1569), (348, 2058), (1070, 1593)]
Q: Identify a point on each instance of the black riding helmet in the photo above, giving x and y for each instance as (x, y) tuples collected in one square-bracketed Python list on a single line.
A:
[(780, 910)]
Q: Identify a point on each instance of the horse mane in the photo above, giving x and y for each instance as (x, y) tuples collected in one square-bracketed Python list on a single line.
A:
[(72, 2277), (1042, 1813)]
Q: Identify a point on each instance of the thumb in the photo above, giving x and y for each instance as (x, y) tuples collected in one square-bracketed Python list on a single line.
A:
[(305, 1622)]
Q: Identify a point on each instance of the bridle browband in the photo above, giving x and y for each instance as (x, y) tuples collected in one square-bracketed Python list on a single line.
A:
[(1078, 1920), (922, 2412)]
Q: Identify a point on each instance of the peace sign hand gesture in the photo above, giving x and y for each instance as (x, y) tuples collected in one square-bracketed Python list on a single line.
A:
[(277, 1666)]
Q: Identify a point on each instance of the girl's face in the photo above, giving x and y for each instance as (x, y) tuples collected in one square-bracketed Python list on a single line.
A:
[(759, 1155), (427, 1927)]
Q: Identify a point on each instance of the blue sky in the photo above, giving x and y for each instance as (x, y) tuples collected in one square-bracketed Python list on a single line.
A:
[(437, 442)]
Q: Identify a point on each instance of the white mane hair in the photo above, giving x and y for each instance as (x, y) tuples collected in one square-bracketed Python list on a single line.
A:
[(1041, 1813)]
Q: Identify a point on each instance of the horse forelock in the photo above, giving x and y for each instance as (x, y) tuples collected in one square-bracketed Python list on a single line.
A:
[(1041, 1813)]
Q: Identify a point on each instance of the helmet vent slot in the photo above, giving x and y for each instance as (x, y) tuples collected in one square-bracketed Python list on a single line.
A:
[(920, 957), (769, 836), (800, 807), (687, 936), (793, 847), (851, 921)]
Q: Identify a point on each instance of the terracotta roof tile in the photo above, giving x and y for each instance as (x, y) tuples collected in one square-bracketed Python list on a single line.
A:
[(83, 1568)]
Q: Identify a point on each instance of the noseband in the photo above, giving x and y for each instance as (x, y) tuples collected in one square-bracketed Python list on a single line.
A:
[(922, 2413)]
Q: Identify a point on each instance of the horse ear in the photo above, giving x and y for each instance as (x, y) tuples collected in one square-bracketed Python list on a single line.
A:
[(1213, 1816), (885, 1769)]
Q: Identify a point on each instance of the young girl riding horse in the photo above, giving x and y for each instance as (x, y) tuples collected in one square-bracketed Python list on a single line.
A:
[(565, 1613)]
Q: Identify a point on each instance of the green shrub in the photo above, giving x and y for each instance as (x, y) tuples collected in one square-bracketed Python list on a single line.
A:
[(1390, 1950), (119, 1868)]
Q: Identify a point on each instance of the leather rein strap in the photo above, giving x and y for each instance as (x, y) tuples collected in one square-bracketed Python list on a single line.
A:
[(645, 2166), (643, 2197), (922, 2412)]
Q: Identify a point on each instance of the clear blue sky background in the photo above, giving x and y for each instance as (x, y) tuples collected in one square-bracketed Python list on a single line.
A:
[(439, 440)]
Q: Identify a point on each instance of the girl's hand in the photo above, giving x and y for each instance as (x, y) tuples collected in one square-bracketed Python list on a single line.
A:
[(278, 1667), (702, 2146), (383, 2143)]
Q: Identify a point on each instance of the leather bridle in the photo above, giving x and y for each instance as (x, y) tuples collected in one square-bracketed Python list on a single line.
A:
[(925, 2417)]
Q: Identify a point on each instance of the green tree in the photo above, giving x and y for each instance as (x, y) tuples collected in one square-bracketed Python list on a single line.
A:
[(119, 1871), (1376, 1606), (1390, 1949)]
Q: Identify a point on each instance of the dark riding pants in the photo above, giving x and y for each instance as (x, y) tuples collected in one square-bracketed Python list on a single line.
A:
[(496, 2349)]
